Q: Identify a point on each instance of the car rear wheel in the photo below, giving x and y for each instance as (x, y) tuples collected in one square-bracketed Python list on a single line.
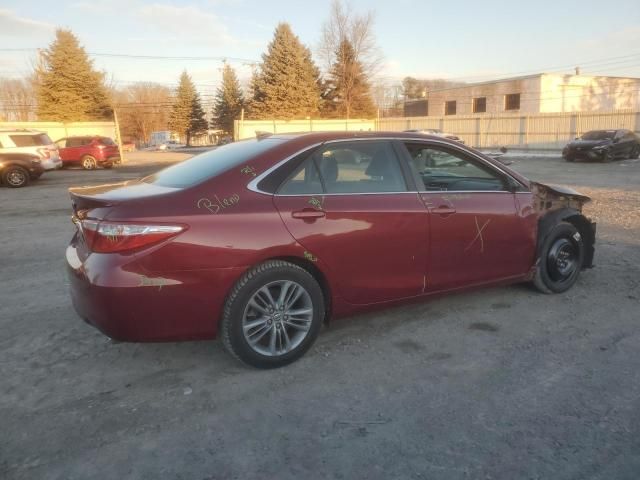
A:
[(88, 162), (15, 177), (635, 153), (569, 159), (273, 315), (560, 260)]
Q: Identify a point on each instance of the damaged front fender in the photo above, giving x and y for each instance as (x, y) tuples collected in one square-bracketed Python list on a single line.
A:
[(554, 204)]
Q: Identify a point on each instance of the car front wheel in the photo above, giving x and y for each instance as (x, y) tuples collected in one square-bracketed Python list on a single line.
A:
[(273, 315), (560, 259), (635, 153), (15, 177)]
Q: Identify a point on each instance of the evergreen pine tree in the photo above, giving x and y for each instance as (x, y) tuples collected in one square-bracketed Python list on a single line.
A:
[(67, 86), (228, 102), (180, 119), (347, 90), (286, 86), (197, 123)]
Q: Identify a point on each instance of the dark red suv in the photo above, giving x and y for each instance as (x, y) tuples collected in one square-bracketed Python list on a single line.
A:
[(89, 152)]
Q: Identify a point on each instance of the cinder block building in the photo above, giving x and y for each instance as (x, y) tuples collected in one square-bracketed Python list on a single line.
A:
[(540, 93)]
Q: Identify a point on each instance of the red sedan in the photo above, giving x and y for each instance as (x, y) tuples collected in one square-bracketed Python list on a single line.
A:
[(260, 241)]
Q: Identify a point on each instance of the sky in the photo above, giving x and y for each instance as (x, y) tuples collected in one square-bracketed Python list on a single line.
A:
[(463, 40)]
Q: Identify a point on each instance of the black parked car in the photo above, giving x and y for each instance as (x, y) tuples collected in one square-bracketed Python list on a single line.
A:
[(18, 169), (603, 145)]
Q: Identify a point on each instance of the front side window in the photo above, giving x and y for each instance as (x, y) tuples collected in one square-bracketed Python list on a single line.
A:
[(442, 169)]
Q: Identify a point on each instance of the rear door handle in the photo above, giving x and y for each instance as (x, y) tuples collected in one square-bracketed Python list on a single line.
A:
[(443, 210), (308, 213)]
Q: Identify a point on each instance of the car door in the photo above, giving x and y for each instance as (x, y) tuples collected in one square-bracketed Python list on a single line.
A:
[(477, 233), (350, 207), (73, 149)]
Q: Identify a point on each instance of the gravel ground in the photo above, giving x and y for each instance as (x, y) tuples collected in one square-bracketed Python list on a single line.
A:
[(503, 383)]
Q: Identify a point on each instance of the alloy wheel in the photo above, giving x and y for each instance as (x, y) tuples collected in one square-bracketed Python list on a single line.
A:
[(88, 163), (277, 318), (16, 178)]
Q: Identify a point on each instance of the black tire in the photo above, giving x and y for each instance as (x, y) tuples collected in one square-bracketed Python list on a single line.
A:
[(15, 177), (265, 274), (569, 159), (107, 166), (608, 157), (88, 162), (560, 261), (635, 153)]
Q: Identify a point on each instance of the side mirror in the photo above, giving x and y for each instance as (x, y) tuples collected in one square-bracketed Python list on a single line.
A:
[(616, 140)]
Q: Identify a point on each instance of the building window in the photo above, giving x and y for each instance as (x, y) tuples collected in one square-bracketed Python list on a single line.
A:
[(512, 101), (480, 105), (450, 107)]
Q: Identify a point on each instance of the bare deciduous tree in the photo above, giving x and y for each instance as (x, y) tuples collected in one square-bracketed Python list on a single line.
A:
[(343, 24), (142, 108), (17, 100)]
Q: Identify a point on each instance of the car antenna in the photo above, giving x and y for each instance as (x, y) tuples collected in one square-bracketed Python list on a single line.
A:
[(260, 134)]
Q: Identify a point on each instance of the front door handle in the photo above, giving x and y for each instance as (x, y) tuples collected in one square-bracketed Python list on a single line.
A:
[(308, 214), (443, 210)]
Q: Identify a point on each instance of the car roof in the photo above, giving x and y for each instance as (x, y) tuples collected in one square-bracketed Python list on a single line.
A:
[(314, 137)]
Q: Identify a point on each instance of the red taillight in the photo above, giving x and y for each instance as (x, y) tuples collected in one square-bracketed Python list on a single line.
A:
[(109, 237), (44, 152)]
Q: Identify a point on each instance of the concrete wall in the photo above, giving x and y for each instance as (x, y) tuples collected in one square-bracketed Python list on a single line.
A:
[(584, 93), (494, 92), (544, 93), (248, 128), (57, 130)]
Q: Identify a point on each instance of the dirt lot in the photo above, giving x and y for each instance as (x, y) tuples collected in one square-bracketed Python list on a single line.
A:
[(503, 383)]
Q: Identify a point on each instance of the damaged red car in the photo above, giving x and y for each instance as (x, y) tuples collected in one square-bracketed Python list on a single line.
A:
[(261, 241)]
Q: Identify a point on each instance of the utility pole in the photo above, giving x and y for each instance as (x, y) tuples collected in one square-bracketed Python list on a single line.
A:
[(118, 136)]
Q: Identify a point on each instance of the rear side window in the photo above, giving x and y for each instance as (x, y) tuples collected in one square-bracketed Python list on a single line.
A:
[(304, 181), (74, 142), (31, 140), (207, 165), (106, 141), (348, 167)]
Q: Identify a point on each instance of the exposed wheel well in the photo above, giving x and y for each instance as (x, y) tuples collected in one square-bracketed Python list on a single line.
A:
[(310, 267), (578, 220)]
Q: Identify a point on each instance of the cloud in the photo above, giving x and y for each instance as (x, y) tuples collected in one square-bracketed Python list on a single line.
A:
[(187, 23), (11, 25)]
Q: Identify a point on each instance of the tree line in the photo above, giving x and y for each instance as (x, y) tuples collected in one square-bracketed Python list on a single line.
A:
[(286, 84)]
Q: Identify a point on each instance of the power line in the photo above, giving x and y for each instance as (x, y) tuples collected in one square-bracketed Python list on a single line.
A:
[(148, 57)]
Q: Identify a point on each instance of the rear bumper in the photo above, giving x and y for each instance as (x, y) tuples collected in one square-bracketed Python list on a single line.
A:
[(115, 295), (51, 163)]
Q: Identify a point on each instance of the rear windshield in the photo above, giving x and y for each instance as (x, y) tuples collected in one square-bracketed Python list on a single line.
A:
[(599, 135), (209, 164), (31, 140)]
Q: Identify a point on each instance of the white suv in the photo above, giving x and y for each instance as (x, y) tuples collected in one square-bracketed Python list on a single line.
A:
[(34, 142)]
